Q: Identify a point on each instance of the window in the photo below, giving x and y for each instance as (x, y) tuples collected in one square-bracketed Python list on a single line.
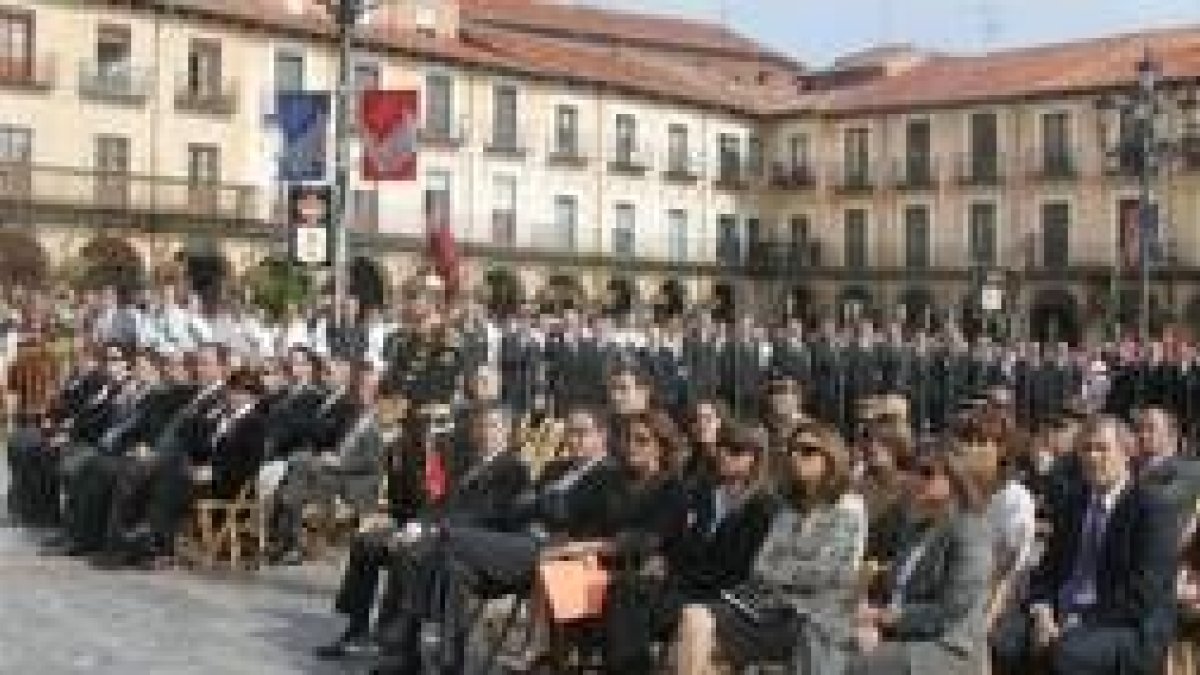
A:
[(981, 239), (677, 235), (112, 170), (16, 145), (626, 140), (917, 161), (439, 105), (623, 231), (16, 155), (857, 151), (204, 173), (566, 218), (504, 210), (677, 149), (113, 52), (364, 210), (799, 228), (916, 236), (728, 240), (1056, 220), (504, 117), (984, 146), (289, 71), (856, 238), (754, 156), (16, 45), (204, 68), (1129, 151), (1056, 144), (566, 130), (729, 160), (798, 152), (437, 198)]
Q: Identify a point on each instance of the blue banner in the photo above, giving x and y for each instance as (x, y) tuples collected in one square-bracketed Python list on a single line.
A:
[(303, 119)]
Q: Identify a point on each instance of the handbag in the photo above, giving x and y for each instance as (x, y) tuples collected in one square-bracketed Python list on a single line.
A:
[(757, 605), (574, 588)]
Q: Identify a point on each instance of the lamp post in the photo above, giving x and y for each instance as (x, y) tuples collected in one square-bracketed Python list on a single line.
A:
[(346, 15)]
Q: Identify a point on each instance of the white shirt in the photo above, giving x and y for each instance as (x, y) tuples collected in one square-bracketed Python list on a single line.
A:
[(1012, 513)]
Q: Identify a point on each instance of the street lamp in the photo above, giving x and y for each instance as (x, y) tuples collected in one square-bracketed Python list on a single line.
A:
[(346, 14), (1144, 151)]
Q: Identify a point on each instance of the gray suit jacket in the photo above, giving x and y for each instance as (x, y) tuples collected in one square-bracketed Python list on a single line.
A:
[(359, 469), (1175, 480), (942, 624)]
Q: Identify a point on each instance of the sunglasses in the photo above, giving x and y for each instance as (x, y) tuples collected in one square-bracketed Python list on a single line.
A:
[(927, 471), (739, 450), (807, 450)]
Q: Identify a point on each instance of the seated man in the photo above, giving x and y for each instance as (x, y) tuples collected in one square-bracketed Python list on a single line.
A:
[(481, 494), (1102, 599), (344, 462)]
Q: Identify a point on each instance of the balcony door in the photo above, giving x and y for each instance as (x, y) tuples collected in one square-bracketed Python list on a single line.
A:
[(204, 69), (16, 156), (204, 175), (112, 171), (984, 147)]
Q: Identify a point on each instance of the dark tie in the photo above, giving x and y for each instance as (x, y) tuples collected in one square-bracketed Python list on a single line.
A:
[(1079, 593)]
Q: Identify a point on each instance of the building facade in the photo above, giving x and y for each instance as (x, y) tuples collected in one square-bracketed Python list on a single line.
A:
[(593, 157)]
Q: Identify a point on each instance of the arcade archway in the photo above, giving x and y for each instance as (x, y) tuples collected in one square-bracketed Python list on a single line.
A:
[(504, 295), (1054, 316), (110, 262), (367, 282), (23, 261)]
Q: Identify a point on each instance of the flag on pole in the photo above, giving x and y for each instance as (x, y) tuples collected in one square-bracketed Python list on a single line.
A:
[(443, 251), (303, 119), (388, 119)]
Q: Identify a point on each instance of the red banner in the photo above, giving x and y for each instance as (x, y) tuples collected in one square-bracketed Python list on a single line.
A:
[(443, 251), (388, 123)]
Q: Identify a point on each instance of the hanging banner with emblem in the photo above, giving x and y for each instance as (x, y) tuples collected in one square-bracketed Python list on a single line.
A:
[(388, 119), (303, 118), (309, 209)]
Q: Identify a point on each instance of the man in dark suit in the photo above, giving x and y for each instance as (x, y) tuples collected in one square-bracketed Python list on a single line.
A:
[(1101, 600), (480, 494), (1160, 468), (344, 461)]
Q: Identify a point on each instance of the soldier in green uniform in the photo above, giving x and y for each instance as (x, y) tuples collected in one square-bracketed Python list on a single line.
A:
[(425, 371)]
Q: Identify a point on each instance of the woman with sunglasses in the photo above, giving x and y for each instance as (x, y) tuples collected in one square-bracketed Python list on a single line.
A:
[(934, 620), (727, 518), (796, 607)]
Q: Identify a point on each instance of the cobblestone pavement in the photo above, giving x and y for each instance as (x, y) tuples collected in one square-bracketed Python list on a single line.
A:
[(60, 616)]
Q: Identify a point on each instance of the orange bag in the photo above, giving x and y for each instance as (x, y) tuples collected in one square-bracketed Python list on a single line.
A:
[(575, 588)]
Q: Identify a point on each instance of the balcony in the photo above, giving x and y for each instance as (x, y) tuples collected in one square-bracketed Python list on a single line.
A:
[(114, 83), (916, 173), (566, 154), (857, 181), (773, 258), (798, 178), (1123, 162), (628, 163), (68, 191), (506, 147), (440, 137), (30, 74), (731, 179), (218, 99), (1052, 166), (979, 170), (681, 170)]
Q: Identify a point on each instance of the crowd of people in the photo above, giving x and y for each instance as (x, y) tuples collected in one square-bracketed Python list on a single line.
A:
[(835, 499)]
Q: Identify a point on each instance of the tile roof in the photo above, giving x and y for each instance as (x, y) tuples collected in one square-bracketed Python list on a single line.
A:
[(707, 65), (1048, 70)]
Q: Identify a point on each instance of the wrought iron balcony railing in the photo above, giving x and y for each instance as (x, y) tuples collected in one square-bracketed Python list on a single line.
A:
[(116, 83)]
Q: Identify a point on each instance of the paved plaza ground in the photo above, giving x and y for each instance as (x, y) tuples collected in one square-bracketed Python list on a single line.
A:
[(60, 616)]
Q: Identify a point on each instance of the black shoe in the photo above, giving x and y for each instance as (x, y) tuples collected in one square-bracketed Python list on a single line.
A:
[(289, 558)]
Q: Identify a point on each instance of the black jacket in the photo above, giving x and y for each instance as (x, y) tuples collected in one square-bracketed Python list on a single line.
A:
[(707, 559)]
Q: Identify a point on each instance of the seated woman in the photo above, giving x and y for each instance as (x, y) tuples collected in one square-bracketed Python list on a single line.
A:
[(706, 419), (798, 603), (935, 620), (727, 519)]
